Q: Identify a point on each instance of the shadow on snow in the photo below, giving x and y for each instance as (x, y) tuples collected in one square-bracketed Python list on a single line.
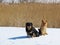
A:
[(19, 37)]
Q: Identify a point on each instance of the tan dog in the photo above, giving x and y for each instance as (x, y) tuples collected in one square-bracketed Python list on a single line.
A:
[(43, 27)]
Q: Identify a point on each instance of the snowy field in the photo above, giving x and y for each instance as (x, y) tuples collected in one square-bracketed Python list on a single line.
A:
[(39, 1), (17, 36)]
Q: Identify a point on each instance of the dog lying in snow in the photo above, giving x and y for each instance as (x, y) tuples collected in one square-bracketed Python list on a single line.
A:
[(31, 31)]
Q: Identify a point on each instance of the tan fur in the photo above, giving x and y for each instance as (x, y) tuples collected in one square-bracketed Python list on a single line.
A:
[(43, 27)]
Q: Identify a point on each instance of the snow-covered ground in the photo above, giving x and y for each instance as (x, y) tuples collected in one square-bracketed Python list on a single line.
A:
[(17, 36), (39, 1)]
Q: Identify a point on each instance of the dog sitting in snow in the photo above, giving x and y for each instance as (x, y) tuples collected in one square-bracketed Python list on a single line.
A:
[(43, 27)]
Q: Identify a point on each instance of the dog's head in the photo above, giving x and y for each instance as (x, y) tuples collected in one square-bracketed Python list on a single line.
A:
[(44, 22)]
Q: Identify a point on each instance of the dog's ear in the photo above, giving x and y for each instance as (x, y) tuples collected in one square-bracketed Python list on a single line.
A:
[(44, 19)]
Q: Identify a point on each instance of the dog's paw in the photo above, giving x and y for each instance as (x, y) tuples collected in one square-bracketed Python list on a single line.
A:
[(46, 33)]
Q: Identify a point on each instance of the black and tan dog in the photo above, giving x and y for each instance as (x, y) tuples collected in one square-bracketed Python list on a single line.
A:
[(31, 31)]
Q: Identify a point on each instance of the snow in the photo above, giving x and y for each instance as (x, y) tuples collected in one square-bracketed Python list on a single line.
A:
[(39, 1), (17, 36)]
